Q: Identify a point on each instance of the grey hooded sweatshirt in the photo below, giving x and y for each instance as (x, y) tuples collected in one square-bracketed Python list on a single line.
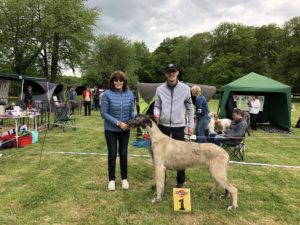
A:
[(172, 104)]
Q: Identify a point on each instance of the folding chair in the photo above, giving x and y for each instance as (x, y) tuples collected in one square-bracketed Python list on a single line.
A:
[(62, 116), (235, 147)]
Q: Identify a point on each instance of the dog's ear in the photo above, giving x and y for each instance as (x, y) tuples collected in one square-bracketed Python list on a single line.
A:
[(149, 122), (215, 115)]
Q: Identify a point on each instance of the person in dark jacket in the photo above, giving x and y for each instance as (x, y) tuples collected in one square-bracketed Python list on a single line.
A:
[(230, 105), (117, 108), (28, 97), (202, 113), (234, 134), (71, 96), (96, 94)]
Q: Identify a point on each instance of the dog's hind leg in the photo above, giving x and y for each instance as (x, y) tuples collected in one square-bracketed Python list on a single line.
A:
[(226, 194), (218, 172), (233, 192), (214, 188), (160, 172)]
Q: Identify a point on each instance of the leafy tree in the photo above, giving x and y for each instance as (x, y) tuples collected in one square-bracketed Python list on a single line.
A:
[(169, 45), (232, 52), (192, 56), (288, 67), (19, 34), (165, 54), (160, 59), (225, 69), (69, 29), (109, 53), (269, 44), (233, 38), (142, 61), (292, 31), (43, 35)]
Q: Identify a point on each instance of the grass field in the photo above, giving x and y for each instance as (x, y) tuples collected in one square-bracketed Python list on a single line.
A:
[(72, 189)]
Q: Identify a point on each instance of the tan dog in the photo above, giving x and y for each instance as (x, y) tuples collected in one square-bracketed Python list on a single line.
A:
[(172, 154)]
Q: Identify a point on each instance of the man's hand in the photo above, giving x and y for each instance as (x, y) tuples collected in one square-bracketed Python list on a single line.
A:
[(156, 117), (190, 131)]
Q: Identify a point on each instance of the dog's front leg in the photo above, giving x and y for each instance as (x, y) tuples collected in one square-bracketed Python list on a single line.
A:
[(160, 171)]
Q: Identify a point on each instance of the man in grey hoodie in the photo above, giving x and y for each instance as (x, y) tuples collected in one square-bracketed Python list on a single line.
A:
[(173, 102)]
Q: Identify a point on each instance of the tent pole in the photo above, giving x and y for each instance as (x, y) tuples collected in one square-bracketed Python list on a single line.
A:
[(48, 97), (22, 89)]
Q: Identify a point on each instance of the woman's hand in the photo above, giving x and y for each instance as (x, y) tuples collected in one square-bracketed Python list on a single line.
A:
[(123, 126)]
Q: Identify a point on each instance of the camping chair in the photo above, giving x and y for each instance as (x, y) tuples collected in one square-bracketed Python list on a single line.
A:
[(62, 116), (236, 148)]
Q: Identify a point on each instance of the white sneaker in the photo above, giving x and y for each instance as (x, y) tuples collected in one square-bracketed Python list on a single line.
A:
[(111, 185), (125, 184)]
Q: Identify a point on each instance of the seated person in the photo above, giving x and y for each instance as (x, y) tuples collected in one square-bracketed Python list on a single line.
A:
[(232, 135)]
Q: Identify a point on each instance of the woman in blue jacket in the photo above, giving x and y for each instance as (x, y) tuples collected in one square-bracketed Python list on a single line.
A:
[(117, 107), (202, 113)]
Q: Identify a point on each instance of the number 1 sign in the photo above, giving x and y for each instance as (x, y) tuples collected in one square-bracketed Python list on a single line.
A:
[(182, 199)]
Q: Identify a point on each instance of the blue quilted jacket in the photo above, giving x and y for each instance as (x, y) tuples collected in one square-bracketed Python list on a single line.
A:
[(116, 106)]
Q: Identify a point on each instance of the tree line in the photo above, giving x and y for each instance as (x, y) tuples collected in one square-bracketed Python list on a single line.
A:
[(227, 53), (43, 38)]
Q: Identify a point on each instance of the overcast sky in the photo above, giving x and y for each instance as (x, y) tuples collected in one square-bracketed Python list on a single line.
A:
[(154, 20)]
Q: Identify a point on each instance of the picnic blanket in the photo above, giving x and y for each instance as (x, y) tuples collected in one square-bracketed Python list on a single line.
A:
[(141, 143)]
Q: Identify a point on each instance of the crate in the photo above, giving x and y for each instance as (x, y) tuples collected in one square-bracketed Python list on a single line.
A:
[(8, 141), (22, 140), (25, 140)]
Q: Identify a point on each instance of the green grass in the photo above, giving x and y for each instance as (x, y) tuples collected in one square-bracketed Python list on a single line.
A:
[(72, 189)]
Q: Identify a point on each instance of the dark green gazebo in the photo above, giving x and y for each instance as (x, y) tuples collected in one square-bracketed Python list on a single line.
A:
[(277, 98)]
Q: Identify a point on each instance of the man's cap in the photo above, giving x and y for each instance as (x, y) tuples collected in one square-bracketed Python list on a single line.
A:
[(171, 67)]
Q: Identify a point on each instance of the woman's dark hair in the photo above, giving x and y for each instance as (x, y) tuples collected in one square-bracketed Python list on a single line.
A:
[(118, 75)]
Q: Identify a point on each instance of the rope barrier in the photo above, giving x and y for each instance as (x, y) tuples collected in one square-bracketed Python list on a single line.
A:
[(264, 164)]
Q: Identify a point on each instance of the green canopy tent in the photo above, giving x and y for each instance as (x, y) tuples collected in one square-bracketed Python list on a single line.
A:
[(277, 98)]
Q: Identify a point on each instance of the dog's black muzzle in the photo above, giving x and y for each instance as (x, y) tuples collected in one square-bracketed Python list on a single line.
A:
[(140, 121)]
